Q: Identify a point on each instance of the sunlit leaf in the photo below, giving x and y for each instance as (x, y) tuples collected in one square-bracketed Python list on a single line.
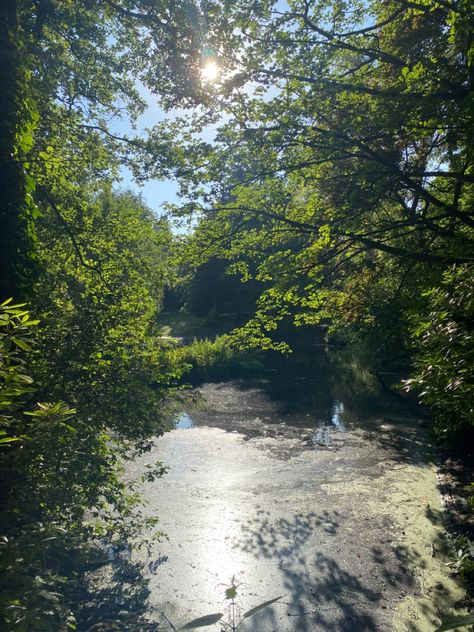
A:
[(231, 592), (21, 343)]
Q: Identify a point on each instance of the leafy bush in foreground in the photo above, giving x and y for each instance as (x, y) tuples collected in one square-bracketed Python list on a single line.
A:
[(63, 504)]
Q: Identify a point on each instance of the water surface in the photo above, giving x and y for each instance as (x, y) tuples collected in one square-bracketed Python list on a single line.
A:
[(283, 484)]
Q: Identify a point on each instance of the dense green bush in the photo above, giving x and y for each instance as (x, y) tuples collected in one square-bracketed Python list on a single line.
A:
[(63, 501), (444, 353), (216, 359)]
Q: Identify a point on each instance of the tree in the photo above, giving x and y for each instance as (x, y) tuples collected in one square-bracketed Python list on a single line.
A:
[(69, 70), (443, 353), (99, 295), (93, 266), (346, 147), (342, 166), (18, 117), (87, 390)]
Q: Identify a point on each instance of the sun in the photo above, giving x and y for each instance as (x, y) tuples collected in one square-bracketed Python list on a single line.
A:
[(210, 71)]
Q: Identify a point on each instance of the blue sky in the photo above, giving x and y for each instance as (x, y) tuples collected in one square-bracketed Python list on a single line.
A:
[(154, 192)]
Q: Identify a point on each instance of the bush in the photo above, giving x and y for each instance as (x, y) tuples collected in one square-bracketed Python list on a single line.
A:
[(62, 501), (444, 353), (216, 359)]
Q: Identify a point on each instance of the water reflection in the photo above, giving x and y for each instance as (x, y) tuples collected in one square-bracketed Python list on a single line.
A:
[(332, 389), (183, 422), (214, 550), (336, 418), (304, 392)]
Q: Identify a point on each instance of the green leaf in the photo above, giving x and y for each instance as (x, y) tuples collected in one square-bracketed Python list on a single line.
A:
[(202, 622), (25, 378), (457, 622), (261, 606), (68, 427), (21, 343), (14, 307), (231, 592), (9, 439)]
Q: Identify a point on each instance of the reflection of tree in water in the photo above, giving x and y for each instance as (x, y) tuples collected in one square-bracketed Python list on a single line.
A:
[(332, 388)]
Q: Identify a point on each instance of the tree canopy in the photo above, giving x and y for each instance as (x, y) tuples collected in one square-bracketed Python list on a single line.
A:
[(85, 377), (329, 162), (342, 164)]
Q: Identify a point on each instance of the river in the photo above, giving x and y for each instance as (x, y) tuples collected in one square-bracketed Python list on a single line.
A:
[(320, 492)]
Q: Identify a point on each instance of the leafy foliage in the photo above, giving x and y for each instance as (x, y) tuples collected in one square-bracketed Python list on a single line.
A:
[(339, 183), (100, 295), (207, 359), (98, 349), (63, 499), (340, 177), (444, 353), (94, 383), (28, 596)]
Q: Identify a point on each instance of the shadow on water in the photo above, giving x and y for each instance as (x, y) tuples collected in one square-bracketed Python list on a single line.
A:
[(322, 593), (115, 597), (332, 386), (405, 443)]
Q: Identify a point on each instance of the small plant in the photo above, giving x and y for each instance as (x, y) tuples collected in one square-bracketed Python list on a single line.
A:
[(229, 620), (463, 563)]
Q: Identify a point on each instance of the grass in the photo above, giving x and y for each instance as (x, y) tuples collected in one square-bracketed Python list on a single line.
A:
[(182, 325)]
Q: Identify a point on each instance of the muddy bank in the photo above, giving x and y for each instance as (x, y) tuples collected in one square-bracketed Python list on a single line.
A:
[(348, 529)]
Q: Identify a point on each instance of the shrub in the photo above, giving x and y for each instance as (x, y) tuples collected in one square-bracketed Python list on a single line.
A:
[(444, 353)]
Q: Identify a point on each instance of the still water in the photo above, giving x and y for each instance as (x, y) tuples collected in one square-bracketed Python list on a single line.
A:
[(282, 484), (308, 393)]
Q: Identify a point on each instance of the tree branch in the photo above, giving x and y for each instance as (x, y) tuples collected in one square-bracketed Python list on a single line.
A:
[(71, 235)]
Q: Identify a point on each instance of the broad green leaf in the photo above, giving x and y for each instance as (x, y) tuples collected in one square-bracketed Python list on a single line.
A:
[(21, 343), (25, 378), (202, 622), (261, 606), (68, 427), (14, 307), (457, 622)]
